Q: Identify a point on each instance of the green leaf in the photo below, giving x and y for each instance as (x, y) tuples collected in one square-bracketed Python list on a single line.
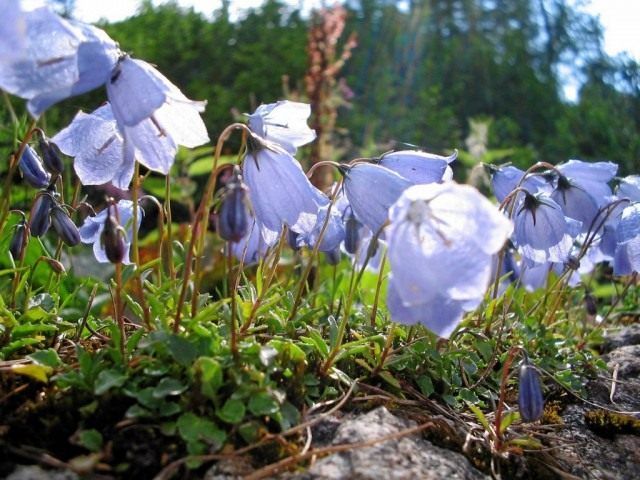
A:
[(91, 440), (210, 376), (38, 372), (232, 411), (508, 419), (168, 386), (193, 429), (48, 357), (480, 416), (182, 350), (426, 385), (108, 379), (263, 404)]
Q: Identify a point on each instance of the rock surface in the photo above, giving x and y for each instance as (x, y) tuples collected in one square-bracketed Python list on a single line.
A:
[(409, 457)]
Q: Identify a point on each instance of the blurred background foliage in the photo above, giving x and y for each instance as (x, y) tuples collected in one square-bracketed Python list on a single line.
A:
[(423, 73)]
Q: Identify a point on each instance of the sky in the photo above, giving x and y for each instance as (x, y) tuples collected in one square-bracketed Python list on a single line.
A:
[(620, 18)]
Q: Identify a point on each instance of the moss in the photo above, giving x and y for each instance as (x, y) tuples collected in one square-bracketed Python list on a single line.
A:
[(551, 413), (608, 424)]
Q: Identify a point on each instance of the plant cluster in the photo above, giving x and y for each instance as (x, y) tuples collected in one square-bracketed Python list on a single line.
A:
[(282, 331)]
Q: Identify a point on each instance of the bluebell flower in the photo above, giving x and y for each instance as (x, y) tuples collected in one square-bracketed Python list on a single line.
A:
[(419, 167), (592, 178), (12, 30), (542, 233), (279, 190), (629, 187), (97, 147), (575, 202), (442, 238), (63, 58), (255, 244), (91, 230), (32, 168), (506, 178), (333, 234), (627, 253), (233, 215), (371, 190), (530, 398), (283, 123)]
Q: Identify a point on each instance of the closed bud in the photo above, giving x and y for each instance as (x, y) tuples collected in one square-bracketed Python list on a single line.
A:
[(55, 265), (590, 305), (64, 226), (352, 234), (18, 240), (233, 217), (50, 156), (292, 239), (112, 239), (40, 219), (530, 399), (32, 170)]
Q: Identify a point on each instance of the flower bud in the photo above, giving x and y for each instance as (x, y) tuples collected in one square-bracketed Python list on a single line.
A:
[(40, 219), (233, 218), (530, 399), (32, 170), (112, 239), (18, 240), (332, 257), (352, 234), (55, 265), (292, 240), (64, 226), (50, 156)]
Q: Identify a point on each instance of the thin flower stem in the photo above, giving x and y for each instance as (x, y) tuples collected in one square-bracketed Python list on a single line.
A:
[(314, 255), (231, 281), (265, 286), (385, 351), (5, 201), (632, 280), (200, 222), (119, 306), (135, 252), (374, 309), (167, 216), (12, 112), (503, 391)]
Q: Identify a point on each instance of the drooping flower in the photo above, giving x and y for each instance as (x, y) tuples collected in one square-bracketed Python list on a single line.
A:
[(283, 123), (629, 187), (40, 218), (593, 178), (233, 217), (64, 226), (12, 30), (530, 398), (371, 190), (506, 178), (62, 59), (441, 241), (542, 233), (92, 229), (32, 168), (627, 253), (333, 233), (419, 167), (253, 245), (153, 115), (280, 192)]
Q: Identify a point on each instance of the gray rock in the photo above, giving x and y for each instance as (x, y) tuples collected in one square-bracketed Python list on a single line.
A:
[(34, 472), (628, 335), (628, 359), (409, 457)]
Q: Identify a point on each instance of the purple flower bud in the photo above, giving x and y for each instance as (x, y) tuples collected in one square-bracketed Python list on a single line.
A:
[(292, 239), (18, 240), (352, 233), (32, 170), (52, 160), (112, 239), (333, 256), (64, 226), (590, 305), (530, 399), (40, 219), (233, 218)]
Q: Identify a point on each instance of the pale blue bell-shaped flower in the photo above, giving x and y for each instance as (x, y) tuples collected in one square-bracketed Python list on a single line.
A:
[(333, 234), (91, 230), (442, 238), (627, 253), (506, 178), (63, 58), (280, 192), (593, 178), (96, 144), (283, 123), (575, 202), (629, 187), (542, 232), (371, 189), (419, 167), (255, 244), (13, 28)]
